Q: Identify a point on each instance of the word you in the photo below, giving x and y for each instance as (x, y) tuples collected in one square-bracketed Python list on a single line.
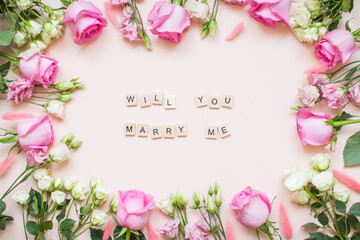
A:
[(156, 98), (214, 102), (156, 132), (212, 131)]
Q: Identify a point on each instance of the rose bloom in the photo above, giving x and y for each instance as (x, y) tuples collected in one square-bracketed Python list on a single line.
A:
[(334, 95), (270, 11), (194, 233), (337, 45), (36, 135), (170, 229), (19, 90), (133, 209), (308, 95), (317, 79), (312, 128), (168, 21), (38, 68), (353, 94), (85, 20), (36, 157)]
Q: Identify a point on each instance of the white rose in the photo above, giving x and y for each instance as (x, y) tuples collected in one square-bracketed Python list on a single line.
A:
[(293, 22), (40, 173), (166, 206), (21, 197), (322, 31), (290, 171), (324, 181), (69, 183), (23, 4), (342, 195), (53, 28), (45, 37), (60, 153), (300, 34), (310, 173), (114, 203), (57, 15), (98, 218), (312, 34), (300, 197), (37, 44), (58, 197), (20, 38), (78, 191), (45, 184), (296, 181), (321, 161), (199, 12), (93, 181), (33, 28), (313, 5), (101, 191), (302, 15), (99, 202), (308, 95), (58, 183)]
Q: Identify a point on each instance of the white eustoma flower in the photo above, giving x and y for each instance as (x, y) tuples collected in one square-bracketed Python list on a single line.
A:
[(98, 218), (59, 153), (56, 108), (21, 197), (166, 206), (342, 195), (321, 161), (23, 4), (45, 184), (69, 183), (296, 181), (324, 181), (78, 191), (302, 16), (40, 173), (33, 28), (199, 11), (308, 95), (300, 197), (58, 197)]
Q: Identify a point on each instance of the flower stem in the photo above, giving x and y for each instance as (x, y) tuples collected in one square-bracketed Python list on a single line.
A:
[(86, 230), (8, 190), (23, 219), (12, 58), (342, 123), (71, 204)]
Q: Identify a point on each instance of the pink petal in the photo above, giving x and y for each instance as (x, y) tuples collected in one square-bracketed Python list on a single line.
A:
[(109, 11), (236, 31), (151, 232), (317, 69), (344, 41), (4, 165), (17, 116), (229, 231), (285, 222), (108, 229), (154, 13), (348, 181)]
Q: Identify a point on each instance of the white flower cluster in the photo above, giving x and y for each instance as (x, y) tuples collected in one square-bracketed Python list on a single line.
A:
[(318, 176), (301, 22)]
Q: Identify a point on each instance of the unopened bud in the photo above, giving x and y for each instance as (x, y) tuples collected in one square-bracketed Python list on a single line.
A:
[(75, 144), (79, 85), (216, 188), (65, 98), (196, 199), (63, 86), (68, 138), (218, 199), (204, 32), (212, 27), (210, 192), (210, 205), (146, 42)]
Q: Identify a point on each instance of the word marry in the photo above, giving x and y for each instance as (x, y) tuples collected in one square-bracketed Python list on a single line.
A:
[(156, 132)]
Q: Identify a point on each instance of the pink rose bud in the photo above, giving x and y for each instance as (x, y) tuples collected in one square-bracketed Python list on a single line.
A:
[(85, 20), (312, 128), (317, 79), (253, 207), (334, 95), (169, 21), (170, 229), (308, 95), (36, 135), (353, 94), (194, 233), (38, 68), (337, 45), (19, 90), (133, 209), (36, 157), (270, 11)]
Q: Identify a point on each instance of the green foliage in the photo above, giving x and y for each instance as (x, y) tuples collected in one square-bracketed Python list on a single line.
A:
[(85, 210), (311, 225), (6, 37), (32, 228), (65, 228), (352, 150), (97, 234), (34, 203), (323, 219), (62, 209), (340, 206), (355, 209), (3, 220)]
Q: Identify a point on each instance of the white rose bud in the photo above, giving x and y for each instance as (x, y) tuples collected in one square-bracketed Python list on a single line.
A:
[(324, 181), (93, 181), (114, 203), (322, 31), (57, 15), (58, 183), (23, 4), (58, 197), (53, 28), (40, 173), (301, 34), (308, 95), (199, 12), (300, 197), (166, 206), (290, 171), (45, 184), (20, 38), (342, 195), (45, 37), (99, 202), (78, 191), (302, 15), (310, 173), (311, 34), (101, 191), (313, 5), (60, 153), (321, 161), (98, 218), (33, 28), (69, 183), (21, 197), (37, 45), (296, 181)]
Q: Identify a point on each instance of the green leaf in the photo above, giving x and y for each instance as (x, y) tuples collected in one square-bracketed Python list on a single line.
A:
[(355, 209), (68, 234), (16, 51), (3, 220), (356, 236), (340, 206), (32, 228), (353, 221), (96, 234), (65, 3), (85, 210), (316, 205), (119, 233), (352, 150), (347, 27), (34, 203), (341, 226), (333, 25), (323, 219), (61, 215), (319, 236), (2, 206), (48, 225), (347, 5), (310, 225), (12, 18), (3, 85), (6, 37), (67, 225), (4, 68)]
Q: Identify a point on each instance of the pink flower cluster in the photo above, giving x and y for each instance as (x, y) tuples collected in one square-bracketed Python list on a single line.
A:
[(129, 27)]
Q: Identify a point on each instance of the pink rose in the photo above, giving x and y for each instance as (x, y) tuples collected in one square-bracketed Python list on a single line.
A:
[(334, 95), (169, 21), (133, 210), (85, 20), (36, 157), (338, 45), (194, 233), (36, 135), (270, 11), (354, 94), (253, 207), (170, 229), (317, 79), (236, 2), (38, 68), (129, 27), (308, 95), (19, 90), (312, 128)]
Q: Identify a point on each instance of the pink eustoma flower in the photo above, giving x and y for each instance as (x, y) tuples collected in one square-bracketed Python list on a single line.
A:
[(128, 26), (36, 135), (312, 128), (317, 79), (236, 2), (169, 21), (133, 209), (170, 229), (334, 95), (270, 11), (253, 207), (19, 90), (353, 94), (337, 46), (192, 232), (86, 21), (36, 157), (37, 68)]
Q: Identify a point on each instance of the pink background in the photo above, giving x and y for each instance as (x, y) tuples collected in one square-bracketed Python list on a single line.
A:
[(262, 68)]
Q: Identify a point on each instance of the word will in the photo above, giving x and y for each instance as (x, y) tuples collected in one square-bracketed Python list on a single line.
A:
[(212, 131), (156, 132), (156, 98), (214, 102)]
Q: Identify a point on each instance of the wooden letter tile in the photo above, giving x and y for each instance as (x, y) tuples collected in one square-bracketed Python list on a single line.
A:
[(228, 101), (144, 101), (131, 100), (224, 130), (170, 103), (130, 129), (181, 130), (211, 132), (157, 98), (142, 130), (214, 102), (156, 132), (169, 131), (201, 100)]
